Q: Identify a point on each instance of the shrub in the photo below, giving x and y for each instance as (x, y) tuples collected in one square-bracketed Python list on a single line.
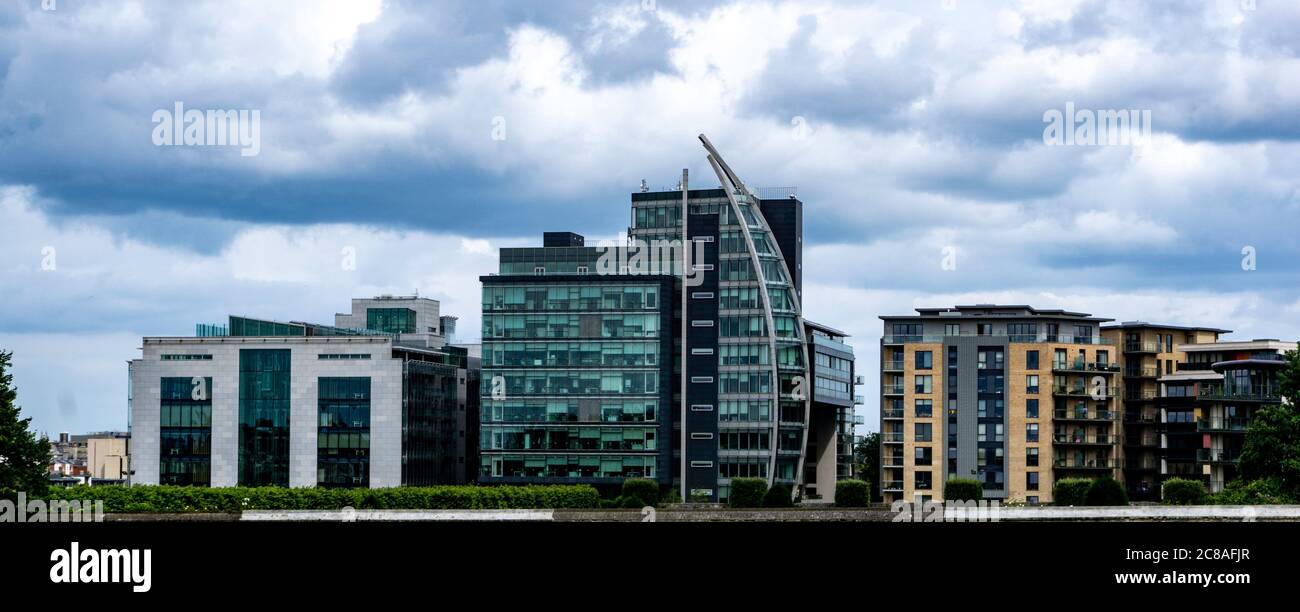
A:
[(778, 496), (852, 494), (167, 498), (674, 496), (1106, 491), (1255, 492), (1071, 491), (643, 489), (1183, 492), (747, 492), (963, 489)]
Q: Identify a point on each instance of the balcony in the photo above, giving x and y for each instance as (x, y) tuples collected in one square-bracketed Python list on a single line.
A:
[(893, 339), (892, 413), (1078, 390), (1237, 424), (1083, 415), (1140, 372), (1141, 418), (1139, 395), (1218, 455), (1261, 393), (1072, 463), (1091, 367), (891, 485), (891, 437), (892, 462), (893, 389), (1084, 440), (1142, 347), (892, 365), (1142, 441)]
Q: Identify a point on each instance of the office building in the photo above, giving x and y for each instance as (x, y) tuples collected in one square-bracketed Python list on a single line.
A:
[(258, 402), (678, 353)]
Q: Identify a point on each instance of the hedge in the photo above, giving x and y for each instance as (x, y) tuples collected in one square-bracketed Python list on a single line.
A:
[(852, 494), (1106, 491), (963, 489), (1256, 492), (1183, 492), (747, 492), (166, 498), (778, 496), (643, 489), (1071, 491)]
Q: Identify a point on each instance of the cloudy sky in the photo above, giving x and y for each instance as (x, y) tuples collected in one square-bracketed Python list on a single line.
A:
[(422, 136)]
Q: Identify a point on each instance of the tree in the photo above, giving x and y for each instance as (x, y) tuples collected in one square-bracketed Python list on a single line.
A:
[(963, 489), (1289, 379), (24, 458), (866, 461), (1272, 446)]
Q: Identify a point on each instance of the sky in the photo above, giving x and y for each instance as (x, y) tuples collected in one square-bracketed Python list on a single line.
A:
[(415, 138)]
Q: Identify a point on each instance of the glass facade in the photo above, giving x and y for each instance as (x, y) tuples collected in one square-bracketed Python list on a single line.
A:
[(264, 417), (429, 431), (343, 433), (573, 379), (391, 320), (185, 431)]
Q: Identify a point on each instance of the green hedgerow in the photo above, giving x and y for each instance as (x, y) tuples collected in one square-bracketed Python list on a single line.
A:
[(852, 494), (747, 492), (1071, 491), (1183, 492)]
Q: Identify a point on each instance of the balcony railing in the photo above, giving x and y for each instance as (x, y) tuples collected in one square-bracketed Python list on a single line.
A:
[(892, 364), (1073, 463), (1142, 441), (891, 485), (1253, 393), (1074, 414), (894, 437), (1218, 455), (1083, 439), (1140, 372), (1035, 338), (1141, 347), (1085, 366), (893, 389), (1102, 393), (892, 413), (1223, 424), (1135, 395), (1140, 418), (893, 462)]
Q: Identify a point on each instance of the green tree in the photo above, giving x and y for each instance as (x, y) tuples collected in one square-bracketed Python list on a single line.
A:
[(866, 461), (24, 458), (1289, 379), (1272, 446)]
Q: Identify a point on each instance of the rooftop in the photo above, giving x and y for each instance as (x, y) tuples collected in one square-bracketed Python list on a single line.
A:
[(985, 311)]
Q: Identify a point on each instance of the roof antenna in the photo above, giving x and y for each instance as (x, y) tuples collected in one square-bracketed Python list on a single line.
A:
[(644, 187)]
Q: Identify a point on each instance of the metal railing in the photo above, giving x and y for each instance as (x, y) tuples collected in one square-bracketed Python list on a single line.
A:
[(1083, 439), (1223, 424), (1036, 338), (1072, 414)]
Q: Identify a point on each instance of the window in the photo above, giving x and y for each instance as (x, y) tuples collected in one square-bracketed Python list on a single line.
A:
[(1032, 500), (922, 432), (952, 329), (702, 379), (702, 323), (924, 360), (1031, 432), (185, 431), (695, 435), (1033, 481), (701, 351), (701, 295), (1031, 360), (1031, 457), (924, 455), (701, 464), (187, 357), (1031, 383), (343, 432), (924, 408), (924, 383), (1031, 408), (985, 329), (701, 407), (539, 270), (923, 480)]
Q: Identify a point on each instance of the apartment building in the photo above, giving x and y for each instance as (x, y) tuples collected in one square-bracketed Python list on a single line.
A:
[(1014, 396), (1148, 352)]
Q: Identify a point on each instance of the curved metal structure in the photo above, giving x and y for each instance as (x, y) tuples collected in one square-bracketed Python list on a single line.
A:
[(773, 278)]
